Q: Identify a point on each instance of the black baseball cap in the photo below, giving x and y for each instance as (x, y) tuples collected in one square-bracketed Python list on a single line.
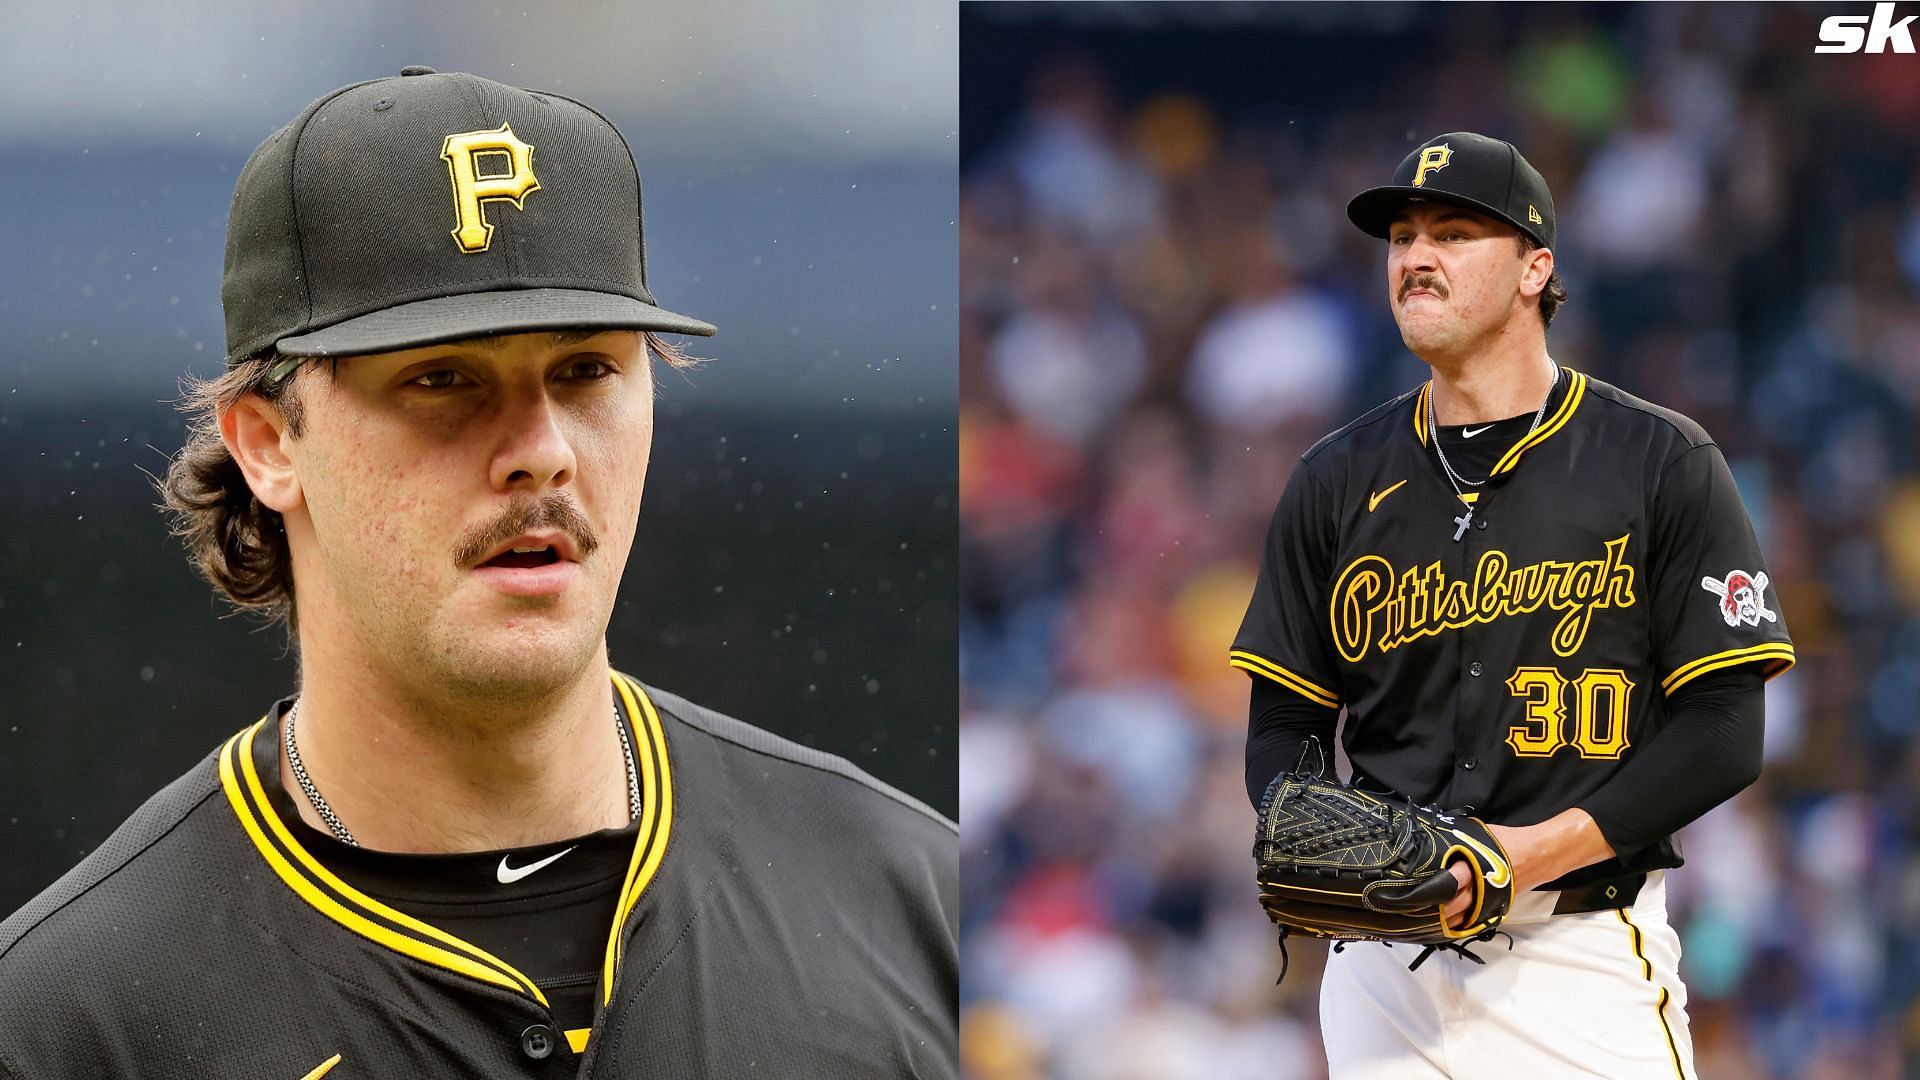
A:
[(1465, 169), (434, 207)]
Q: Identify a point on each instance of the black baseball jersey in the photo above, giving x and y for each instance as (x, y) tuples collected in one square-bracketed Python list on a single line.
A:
[(1511, 660), (782, 914)]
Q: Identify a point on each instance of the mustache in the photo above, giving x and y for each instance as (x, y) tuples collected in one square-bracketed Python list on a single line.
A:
[(1423, 281), (525, 514)]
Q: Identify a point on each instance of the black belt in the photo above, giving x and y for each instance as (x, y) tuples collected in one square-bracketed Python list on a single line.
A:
[(1600, 895)]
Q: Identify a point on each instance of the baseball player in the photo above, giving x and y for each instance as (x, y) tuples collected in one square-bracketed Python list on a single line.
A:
[(468, 846), (1538, 599)]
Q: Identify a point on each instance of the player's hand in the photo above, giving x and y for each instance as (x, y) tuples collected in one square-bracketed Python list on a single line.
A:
[(1537, 853)]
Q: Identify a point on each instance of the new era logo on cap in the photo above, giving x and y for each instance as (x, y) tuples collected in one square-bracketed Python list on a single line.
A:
[(410, 210)]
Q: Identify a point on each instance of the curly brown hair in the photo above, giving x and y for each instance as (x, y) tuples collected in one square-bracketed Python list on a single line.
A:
[(236, 542)]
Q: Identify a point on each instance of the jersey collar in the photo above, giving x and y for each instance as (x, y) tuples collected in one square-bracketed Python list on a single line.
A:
[(390, 928), (1557, 417)]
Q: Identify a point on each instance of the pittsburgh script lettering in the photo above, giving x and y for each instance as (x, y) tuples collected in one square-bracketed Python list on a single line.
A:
[(1374, 605)]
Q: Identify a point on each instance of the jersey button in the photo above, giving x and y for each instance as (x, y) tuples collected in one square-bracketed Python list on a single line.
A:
[(1474, 669), (1479, 523), (537, 1042), (1469, 763)]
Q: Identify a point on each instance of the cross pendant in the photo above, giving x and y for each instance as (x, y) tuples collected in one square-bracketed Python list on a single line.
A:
[(1465, 519)]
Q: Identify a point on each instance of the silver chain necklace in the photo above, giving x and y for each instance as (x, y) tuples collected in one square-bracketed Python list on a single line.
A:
[(340, 831), (1454, 478)]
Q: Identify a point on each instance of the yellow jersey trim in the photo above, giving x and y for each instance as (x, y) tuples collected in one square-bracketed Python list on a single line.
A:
[(1660, 1007), (1307, 688), (577, 1039), (1576, 389), (1776, 655), (425, 942), (656, 818), (402, 933)]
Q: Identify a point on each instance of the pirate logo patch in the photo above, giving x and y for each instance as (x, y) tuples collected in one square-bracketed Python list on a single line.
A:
[(1743, 597)]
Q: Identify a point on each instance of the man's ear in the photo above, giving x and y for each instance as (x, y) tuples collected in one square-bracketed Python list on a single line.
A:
[(1536, 273), (256, 435)]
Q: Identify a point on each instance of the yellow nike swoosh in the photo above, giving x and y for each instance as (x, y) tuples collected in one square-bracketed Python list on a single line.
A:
[(1500, 872), (325, 1068), (1375, 500)]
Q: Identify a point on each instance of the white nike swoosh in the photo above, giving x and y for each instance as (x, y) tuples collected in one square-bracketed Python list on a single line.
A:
[(1468, 433), (507, 875)]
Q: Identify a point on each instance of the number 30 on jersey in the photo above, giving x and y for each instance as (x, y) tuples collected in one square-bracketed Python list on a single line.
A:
[(1596, 699)]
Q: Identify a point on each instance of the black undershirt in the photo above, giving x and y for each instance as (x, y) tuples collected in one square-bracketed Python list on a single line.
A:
[(552, 925), (1474, 458)]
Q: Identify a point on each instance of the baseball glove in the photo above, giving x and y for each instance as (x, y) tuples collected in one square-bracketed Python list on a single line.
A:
[(1344, 864)]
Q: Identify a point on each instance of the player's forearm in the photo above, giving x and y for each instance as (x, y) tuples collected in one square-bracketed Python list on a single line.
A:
[(1279, 723), (1709, 749)]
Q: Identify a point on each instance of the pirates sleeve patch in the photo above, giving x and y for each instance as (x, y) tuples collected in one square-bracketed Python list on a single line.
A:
[(1743, 597)]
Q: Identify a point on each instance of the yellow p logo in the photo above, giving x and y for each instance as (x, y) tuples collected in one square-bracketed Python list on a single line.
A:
[(1432, 159), (470, 190)]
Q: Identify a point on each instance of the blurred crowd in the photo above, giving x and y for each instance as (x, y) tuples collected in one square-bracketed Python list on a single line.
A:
[(1163, 305)]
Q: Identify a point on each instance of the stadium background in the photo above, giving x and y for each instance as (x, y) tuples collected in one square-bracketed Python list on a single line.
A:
[(1163, 305), (795, 559)]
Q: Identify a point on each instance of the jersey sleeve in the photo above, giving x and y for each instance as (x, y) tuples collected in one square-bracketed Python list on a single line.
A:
[(1713, 601), (1284, 634)]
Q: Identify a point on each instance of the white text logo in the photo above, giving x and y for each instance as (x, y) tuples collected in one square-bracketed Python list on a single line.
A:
[(1855, 33)]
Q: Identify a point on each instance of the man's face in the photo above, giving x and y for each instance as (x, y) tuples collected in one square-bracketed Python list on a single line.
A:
[(421, 470), (1453, 277)]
